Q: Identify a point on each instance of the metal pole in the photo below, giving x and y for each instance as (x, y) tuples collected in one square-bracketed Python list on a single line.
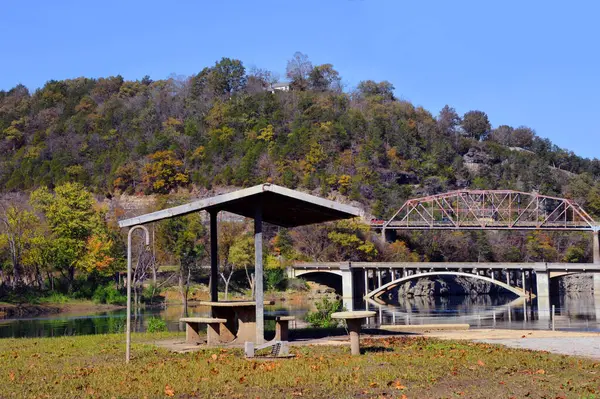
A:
[(128, 330), (258, 271), (553, 309), (214, 257)]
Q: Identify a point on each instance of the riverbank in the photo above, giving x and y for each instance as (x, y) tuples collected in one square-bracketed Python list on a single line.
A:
[(411, 367), (28, 310)]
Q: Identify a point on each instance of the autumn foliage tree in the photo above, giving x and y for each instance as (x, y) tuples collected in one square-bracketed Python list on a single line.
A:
[(164, 172)]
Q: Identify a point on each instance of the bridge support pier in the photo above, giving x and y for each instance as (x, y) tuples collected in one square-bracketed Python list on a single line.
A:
[(347, 286), (543, 294)]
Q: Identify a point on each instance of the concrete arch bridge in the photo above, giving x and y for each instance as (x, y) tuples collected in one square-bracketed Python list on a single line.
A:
[(370, 280)]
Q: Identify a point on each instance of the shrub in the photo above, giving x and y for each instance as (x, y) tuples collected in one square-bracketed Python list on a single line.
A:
[(322, 317), (275, 279), (297, 284), (156, 324), (110, 295), (147, 294), (55, 297)]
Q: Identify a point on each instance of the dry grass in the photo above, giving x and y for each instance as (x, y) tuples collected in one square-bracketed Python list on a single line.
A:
[(93, 367)]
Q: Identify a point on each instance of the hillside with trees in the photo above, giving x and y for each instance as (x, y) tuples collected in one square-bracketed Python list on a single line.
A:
[(228, 126)]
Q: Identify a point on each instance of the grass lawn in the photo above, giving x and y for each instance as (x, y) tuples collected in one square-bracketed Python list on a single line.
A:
[(93, 367)]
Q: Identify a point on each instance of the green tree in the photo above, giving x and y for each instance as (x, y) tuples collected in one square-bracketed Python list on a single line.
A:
[(185, 238), (227, 77), (324, 78), (476, 125), (241, 255), (77, 226), (17, 229)]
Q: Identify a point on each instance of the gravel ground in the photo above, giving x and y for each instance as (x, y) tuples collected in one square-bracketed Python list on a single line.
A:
[(577, 346), (576, 343)]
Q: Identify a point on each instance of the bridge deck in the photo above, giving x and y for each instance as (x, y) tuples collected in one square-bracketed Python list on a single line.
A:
[(567, 267)]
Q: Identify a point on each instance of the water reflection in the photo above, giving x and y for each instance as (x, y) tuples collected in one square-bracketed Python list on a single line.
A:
[(576, 312), (114, 321)]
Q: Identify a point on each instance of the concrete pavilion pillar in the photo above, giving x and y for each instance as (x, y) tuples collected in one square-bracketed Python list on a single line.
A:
[(543, 294), (379, 283), (596, 274), (258, 272), (347, 286), (214, 257)]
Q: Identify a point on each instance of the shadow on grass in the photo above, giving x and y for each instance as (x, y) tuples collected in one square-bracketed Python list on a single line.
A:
[(301, 334), (375, 349)]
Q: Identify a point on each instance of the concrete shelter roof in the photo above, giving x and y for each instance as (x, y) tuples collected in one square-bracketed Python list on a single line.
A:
[(280, 206)]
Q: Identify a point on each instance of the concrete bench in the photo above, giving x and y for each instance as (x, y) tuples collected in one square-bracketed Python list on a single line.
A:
[(353, 321), (281, 326), (192, 328)]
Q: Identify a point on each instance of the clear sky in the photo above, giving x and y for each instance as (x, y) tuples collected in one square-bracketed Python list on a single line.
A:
[(527, 62)]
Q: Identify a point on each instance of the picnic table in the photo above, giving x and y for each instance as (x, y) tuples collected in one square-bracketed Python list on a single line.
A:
[(241, 319), (354, 321)]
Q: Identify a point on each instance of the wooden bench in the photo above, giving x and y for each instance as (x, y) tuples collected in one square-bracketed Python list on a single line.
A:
[(192, 328), (282, 324)]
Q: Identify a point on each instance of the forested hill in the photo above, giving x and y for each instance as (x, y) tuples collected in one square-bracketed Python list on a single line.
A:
[(226, 126)]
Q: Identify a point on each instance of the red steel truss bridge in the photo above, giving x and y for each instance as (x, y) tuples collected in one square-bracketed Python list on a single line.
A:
[(489, 210)]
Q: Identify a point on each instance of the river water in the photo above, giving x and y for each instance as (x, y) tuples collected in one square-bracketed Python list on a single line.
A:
[(575, 312)]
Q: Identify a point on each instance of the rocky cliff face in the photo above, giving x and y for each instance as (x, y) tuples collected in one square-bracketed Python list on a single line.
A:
[(447, 286), (580, 282)]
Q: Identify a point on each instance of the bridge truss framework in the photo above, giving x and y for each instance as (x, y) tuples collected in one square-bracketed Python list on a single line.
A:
[(489, 210)]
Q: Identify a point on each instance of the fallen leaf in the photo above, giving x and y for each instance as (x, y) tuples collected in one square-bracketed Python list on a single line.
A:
[(214, 356), (396, 384), (373, 384), (541, 371), (169, 391), (11, 375), (479, 362)]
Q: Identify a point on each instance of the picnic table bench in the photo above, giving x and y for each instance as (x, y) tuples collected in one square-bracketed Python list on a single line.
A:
[(281, 326), (192, 328)]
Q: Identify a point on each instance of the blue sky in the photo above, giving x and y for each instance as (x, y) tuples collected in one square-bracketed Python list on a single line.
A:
[(533, 63)]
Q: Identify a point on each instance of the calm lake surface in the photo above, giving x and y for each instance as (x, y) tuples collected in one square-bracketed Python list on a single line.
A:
[(576, 312)]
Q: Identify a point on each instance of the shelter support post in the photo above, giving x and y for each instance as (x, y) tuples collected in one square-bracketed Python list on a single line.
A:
[(258, 271), (214, 257)]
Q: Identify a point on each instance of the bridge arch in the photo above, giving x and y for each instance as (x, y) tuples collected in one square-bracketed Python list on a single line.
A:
[(300, 272), (386, 287), (329, 278)]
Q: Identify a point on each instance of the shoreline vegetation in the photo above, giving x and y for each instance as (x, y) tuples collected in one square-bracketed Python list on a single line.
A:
[(169, 297), (390, 367)]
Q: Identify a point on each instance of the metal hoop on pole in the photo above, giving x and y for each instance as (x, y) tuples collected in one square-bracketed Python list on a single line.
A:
[(128, 330)]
